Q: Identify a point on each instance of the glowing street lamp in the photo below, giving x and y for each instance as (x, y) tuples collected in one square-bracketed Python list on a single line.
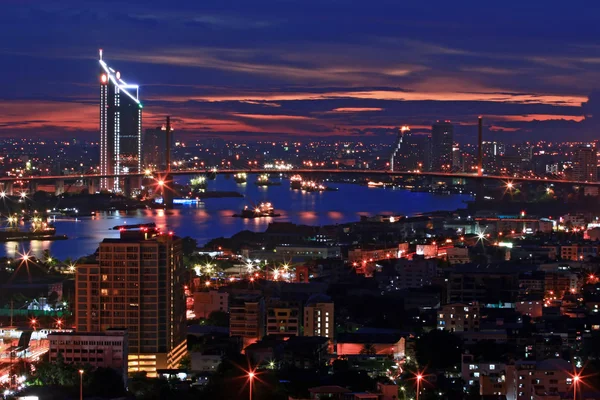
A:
[(23, 195), (251, 376), (2, 194), (419, 378), (80, 384), (33, 323)]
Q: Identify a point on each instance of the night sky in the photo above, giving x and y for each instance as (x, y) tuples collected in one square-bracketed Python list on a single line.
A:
[(308, 68)]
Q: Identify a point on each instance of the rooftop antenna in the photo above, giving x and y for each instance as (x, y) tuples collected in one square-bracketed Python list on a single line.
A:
[(100, 51)]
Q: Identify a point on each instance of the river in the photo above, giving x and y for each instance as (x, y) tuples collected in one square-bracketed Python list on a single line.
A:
[(212, 218)]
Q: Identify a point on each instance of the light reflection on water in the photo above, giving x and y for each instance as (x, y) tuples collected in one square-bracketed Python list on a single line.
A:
[(214, 217)]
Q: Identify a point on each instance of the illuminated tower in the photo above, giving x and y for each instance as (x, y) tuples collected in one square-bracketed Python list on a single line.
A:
[(120, 128)]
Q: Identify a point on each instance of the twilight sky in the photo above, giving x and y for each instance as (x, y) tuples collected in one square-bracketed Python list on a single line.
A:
[(306, 68)]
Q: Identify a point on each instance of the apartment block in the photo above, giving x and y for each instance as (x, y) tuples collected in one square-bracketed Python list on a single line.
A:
[(137, 284)]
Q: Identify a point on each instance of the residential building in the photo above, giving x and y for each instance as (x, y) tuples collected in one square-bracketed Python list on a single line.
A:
[(488, 376), (283, 318), (206, 302), (585, 164), (414, 273), (247, 318), (319, 316), (459, 317), (538, 379), (442, 140), (137, 284)]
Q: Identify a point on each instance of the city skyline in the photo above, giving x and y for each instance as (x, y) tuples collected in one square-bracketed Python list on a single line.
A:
[(319, 70)]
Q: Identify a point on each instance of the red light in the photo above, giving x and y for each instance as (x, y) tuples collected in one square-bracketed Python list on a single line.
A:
[(171, 233), (103, 78)]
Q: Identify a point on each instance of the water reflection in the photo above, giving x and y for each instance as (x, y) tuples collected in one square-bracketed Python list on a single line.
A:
[(212, 218)]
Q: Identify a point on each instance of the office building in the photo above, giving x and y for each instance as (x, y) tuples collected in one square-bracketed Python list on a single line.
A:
[(283, 318), (442, 140), (247, 318), (318, 316), (106, 349), (585, 164), (120, 128), (137, 284)]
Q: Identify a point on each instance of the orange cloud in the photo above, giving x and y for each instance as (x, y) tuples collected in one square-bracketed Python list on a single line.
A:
[(355, 109), (536, 117), (273, 117)]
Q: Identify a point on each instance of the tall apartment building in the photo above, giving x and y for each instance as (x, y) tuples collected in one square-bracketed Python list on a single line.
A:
[(247, 318), (318, 316), (585, 164), (137, 284), (442, 140)]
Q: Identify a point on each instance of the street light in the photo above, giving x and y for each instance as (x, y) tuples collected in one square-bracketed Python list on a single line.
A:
[(403, 389), (576, 379), (251, 379), (80, 384), (419, 378)]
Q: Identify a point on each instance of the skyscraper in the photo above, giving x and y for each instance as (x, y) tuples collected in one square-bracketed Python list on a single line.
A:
[(585, 165), (120, 127), (407, 153), (137, 284), (442, 139), (154, 148)]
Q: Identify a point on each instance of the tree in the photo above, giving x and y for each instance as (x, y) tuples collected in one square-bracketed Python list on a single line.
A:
[(439, 349), (368, 349), (185, 363), (189, 245), (218, 318)]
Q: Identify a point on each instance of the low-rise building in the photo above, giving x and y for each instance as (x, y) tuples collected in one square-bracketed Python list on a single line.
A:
[(106, 349), (458, 255), (208, 301), (536, 379), (283, 318), (247, 318), (488, 376), (376, 344)]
